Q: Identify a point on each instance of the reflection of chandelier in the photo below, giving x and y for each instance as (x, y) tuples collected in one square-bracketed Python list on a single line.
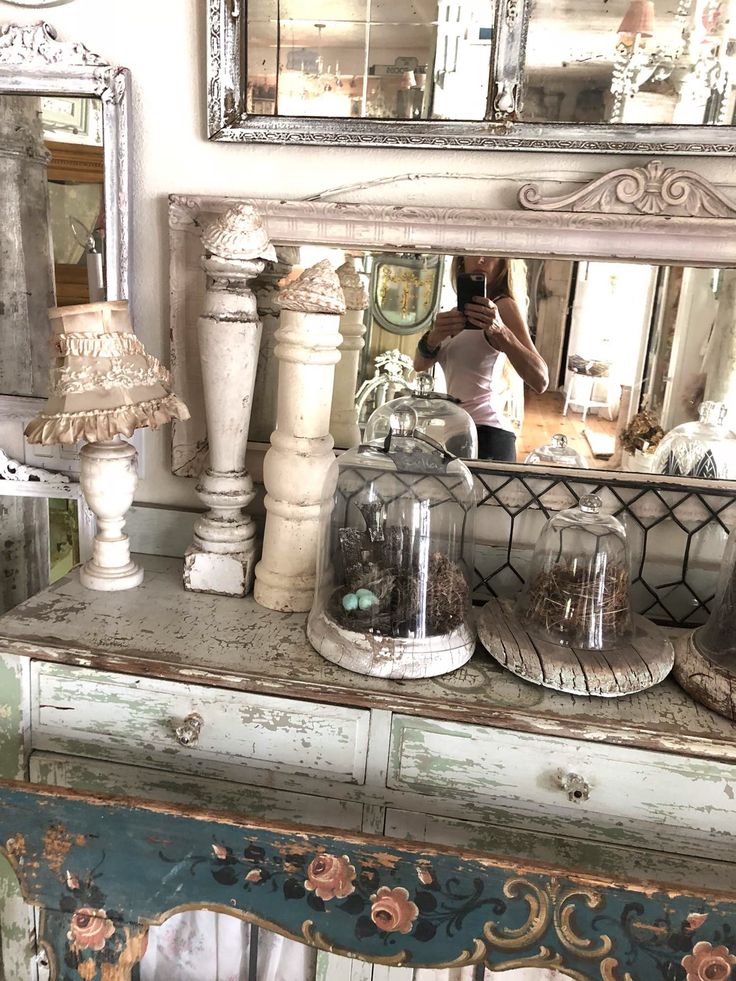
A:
[(632, 61)]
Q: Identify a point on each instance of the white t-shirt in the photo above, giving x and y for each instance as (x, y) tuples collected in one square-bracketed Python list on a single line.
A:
[(474, 373)]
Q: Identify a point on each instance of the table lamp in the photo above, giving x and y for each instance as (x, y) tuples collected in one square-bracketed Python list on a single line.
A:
[(103, 387)]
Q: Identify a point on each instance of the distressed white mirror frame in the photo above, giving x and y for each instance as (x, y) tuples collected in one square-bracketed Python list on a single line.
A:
[(34, 60), (651, 214), (227, 119)]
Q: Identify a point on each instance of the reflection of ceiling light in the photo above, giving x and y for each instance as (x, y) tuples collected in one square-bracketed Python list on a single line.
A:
[(638, 21)]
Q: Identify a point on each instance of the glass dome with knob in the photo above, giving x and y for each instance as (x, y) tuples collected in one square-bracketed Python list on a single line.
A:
[(706, 448), (438, 416), (572, 628), (577, 593), (396, 555), (557, 453)]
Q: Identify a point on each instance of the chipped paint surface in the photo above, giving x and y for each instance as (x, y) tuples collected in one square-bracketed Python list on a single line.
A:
[(426, 907), (158, 630)]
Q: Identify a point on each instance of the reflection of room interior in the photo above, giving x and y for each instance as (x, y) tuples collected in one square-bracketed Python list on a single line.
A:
[(423, 60), (619, 339), (73, 136), (636, 62)]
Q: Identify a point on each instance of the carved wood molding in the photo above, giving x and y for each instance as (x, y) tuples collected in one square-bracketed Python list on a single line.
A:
[(37, 45), (649, 190)]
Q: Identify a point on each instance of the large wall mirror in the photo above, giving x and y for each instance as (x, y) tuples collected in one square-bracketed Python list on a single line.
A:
[(624, 75), (63, 161), (634, 323)]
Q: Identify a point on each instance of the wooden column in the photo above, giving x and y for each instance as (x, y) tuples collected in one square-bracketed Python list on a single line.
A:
[(222, 556), (344, 418), (300, 463), (26, 262), (265, 287)]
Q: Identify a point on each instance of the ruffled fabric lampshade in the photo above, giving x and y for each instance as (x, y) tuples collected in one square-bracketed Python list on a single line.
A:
[(104, 386)]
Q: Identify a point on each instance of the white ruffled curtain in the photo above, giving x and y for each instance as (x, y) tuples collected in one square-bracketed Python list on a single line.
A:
[(205, 946)]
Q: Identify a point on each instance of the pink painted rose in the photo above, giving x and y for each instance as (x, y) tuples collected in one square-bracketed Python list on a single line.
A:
[(330, 876), (220, 852), (392, 911), (708, 963), (255, 875), (90, 928)]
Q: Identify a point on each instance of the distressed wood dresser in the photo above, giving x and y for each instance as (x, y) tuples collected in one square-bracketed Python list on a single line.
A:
[(605, 829)]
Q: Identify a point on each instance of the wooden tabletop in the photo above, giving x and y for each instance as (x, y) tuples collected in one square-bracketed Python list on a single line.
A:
[(158, 630)]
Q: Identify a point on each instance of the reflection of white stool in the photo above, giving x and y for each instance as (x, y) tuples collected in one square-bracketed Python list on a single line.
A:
[(580, 392)]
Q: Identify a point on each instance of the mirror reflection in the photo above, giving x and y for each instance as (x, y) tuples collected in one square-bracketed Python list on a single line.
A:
[(426, 59), (51, 227), (630, 61), (601, 365)]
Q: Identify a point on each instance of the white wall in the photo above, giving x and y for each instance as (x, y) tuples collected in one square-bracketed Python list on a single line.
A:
[(162, 42)]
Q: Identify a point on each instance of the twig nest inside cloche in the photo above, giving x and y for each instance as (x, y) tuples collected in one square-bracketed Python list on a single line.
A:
[(239, 233), (317, 290), (572, 628), (356, 296)]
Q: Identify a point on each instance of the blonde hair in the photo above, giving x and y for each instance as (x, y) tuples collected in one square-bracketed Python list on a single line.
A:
[(509, 279)]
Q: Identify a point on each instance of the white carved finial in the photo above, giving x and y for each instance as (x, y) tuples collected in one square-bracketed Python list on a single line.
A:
[(239, 233), (317, 290), (649, 190), (356, 297)]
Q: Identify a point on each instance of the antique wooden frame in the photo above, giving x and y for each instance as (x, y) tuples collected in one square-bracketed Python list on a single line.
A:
[(102, 869), (227, 119), (33, 60), (650, 214)]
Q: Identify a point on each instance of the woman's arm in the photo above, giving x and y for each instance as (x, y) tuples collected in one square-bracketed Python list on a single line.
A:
[(446, 325), (505, 328)]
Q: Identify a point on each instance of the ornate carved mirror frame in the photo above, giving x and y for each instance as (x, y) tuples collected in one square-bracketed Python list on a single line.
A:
[(33, 60), (649, 214), (228, 120)]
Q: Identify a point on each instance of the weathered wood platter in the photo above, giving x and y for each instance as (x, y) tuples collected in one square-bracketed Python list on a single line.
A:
[(623, 671), (707, 682)]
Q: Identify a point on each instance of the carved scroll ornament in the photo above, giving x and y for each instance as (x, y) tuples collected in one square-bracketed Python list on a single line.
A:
[(37, 46), (649, 190)]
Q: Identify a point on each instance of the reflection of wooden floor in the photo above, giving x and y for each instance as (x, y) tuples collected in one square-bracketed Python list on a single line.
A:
[(543, 418)]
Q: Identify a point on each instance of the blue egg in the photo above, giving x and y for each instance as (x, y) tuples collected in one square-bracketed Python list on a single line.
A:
[(363, 592), (350, 602), (365, 602)]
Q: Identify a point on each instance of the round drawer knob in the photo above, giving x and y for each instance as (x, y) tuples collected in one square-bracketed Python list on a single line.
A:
[(576, 788), (188, 732)]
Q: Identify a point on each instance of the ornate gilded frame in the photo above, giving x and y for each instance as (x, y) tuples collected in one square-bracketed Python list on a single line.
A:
[(33, 60), (228, 121)]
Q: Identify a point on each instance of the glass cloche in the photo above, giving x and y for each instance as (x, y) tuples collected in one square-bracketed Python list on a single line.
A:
[(557, 453), (438, 416), (577, 593), (716, 639), (706, 448), (396, 554)]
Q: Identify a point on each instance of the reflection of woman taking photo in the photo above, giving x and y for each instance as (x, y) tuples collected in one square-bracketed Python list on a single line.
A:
[(469, 348)]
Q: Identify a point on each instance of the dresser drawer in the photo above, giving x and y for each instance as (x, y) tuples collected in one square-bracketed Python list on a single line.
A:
[(120, 717), (143, 783), (567, 787)]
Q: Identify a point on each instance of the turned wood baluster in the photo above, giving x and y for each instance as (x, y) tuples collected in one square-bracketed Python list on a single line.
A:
[(297, 469), (222, 556)]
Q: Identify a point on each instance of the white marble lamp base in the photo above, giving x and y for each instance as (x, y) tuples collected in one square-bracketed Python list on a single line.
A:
[(108, 477)]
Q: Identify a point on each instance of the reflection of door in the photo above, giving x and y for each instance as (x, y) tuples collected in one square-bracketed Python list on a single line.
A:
[(76, 189)]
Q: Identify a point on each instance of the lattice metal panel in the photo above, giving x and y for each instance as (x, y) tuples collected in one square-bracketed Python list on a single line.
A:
[(676, 535)]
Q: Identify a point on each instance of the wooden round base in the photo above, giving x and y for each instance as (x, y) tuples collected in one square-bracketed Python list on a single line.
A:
[(644, 662), (390, 657), (708, 683)]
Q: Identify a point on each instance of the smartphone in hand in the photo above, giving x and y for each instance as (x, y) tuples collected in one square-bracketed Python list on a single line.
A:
[(469, 285)]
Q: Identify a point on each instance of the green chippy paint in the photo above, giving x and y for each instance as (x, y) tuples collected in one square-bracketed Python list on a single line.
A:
[(11, 721)]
